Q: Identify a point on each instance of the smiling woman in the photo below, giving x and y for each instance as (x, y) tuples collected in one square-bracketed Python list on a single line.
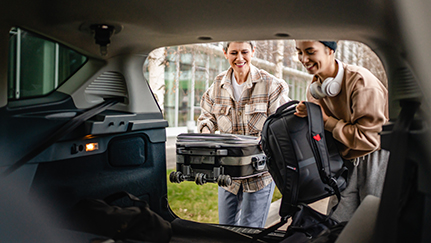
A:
[(179, 75), (239, 55), (238, 102)]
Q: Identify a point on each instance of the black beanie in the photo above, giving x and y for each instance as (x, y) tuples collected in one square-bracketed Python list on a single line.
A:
[(330, 44)]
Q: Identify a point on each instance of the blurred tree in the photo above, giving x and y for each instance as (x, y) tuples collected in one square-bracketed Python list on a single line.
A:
[(156, 68)]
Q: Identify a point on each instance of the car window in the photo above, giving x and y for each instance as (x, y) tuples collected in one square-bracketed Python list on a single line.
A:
[(178, 77), (38, 66)]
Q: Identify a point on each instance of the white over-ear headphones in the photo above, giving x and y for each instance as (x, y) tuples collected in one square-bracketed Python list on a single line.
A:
[(330, 87)]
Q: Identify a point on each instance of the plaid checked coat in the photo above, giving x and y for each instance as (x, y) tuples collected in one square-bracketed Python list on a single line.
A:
[(262, 95)]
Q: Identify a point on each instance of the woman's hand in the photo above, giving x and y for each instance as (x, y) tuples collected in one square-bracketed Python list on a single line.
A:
[(260, 142), (301, 110), (205, 130)]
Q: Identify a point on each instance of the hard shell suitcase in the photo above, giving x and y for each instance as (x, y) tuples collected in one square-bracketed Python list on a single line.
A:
[(217, 158)]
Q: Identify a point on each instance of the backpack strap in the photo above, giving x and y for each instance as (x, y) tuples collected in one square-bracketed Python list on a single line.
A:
[(283, 221), (318, 141), (320, 149)]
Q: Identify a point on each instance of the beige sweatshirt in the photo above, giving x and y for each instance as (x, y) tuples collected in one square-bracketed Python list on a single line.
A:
[(357, 113)]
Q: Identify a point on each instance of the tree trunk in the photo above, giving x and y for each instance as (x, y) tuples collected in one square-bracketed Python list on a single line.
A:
[(156, 68)]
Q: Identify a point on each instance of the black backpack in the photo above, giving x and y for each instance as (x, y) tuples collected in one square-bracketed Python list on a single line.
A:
[(302, 158)]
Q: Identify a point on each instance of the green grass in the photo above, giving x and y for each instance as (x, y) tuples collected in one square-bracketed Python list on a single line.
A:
[(198, 203)]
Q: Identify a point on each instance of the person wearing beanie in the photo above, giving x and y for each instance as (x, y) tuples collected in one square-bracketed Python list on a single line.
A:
[(354, 107), (330, 44)]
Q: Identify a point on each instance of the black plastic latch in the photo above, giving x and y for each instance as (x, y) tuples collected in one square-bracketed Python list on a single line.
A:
[(102, 35)]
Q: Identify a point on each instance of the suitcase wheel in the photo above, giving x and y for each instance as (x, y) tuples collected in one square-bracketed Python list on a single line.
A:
[(224, 180), (200, 178), (176, 177)]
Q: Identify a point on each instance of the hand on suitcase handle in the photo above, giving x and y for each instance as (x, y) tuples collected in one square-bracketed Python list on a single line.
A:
[(260, 142), (205, 130)]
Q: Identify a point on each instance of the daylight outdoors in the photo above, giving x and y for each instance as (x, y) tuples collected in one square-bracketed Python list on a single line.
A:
[(178, 77)]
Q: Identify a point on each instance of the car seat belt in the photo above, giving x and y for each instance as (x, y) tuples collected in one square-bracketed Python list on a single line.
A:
[(387, 219), (62, 131)]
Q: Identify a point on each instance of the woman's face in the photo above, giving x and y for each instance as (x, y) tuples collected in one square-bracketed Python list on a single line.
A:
[(239, 55), (315, 57)]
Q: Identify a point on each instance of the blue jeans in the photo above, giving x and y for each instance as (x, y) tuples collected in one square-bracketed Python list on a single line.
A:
[(246, 208)]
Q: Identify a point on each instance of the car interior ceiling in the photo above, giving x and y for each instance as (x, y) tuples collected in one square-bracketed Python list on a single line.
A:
[(397, 31)]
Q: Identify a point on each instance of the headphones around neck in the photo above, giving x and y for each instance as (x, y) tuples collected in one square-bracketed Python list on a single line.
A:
[(330, 87)]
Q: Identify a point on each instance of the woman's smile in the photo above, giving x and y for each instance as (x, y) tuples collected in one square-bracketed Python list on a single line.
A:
[(239, 55)]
